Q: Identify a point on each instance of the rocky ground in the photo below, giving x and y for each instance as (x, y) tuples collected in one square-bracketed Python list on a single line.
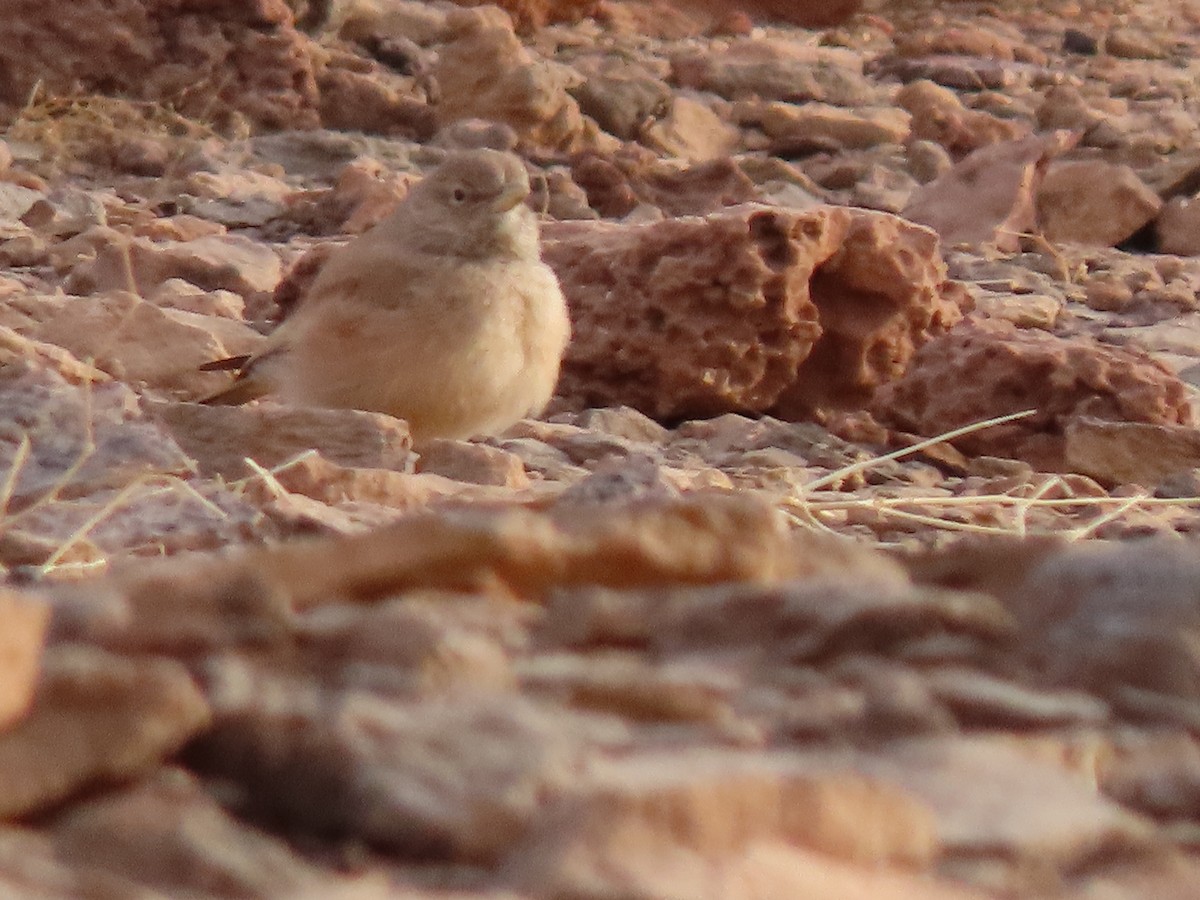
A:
[(855, 557)]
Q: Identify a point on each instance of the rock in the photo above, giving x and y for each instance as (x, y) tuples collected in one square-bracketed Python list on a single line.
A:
[(484, 72), (376, 21), (713, 538), (939, 116), (175, 293), (221, 438), (16, 202), (615, 185), (356, 489), (665, 824), (1076, 41), (971, 785), (529, 15), (169, 835), (960, 73), (24, 623), (997, 369), (989, 197), (107, 527), (29, 868), (967, 40), (1105, 616), (95, 719), (646, 300), (1130, 452), (853, 129), (623, 105), (1094, 203), (1023, 310), (1135, 43), (691, 131), (803, 14), (67, 440), (1177, 227), (16, 349), (217, 262), (1065, 107), (374, 101), (460, 779), (473, 463), (145, 343), (776, 70), (207, 60)]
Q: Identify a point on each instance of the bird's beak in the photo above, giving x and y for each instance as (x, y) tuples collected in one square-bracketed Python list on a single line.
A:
[(510, 197)]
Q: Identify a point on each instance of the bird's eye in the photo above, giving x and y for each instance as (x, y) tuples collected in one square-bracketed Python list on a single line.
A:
[(459, 195)]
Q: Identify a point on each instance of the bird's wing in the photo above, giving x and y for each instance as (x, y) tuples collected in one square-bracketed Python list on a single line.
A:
[(375, 274), (250, 383)]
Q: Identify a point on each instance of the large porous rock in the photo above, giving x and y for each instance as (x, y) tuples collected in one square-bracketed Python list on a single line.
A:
[(485, 72), (204, 59), (752, 309), (990, 368)]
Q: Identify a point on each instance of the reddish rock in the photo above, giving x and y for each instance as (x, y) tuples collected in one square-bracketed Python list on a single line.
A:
[(530, 15), (1178, 227), (939, 116), (96, 718), (986, 369), (697, 816), (22, 626), (1130, 452), (969, 40), (221, 438), (692, 131), (485, 72), (169, 834), (616, 184), (989, 197), (852, 129), (374, 101), (228, 262), (1094, 203), (147, 344), (752, 309), (203, 59), (806, 13), (776, 70), (1111, 617)]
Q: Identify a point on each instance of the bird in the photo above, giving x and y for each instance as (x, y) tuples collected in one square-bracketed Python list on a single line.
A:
[(443, 314)]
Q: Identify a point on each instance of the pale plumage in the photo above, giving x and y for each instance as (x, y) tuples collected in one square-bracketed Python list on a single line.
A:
[(443, 314)]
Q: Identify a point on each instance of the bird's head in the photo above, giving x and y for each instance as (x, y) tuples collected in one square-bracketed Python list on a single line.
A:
[(472, 206)]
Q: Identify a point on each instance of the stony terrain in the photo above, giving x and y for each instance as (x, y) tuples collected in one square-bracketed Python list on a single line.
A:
[(854, 559)]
